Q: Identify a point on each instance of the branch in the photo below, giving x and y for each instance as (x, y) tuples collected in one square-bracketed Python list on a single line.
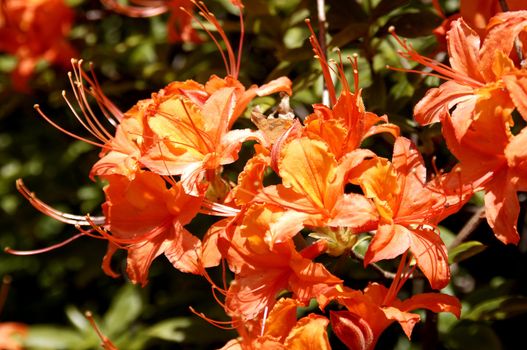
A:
[(469, 227), (386, 274), (321, 15)]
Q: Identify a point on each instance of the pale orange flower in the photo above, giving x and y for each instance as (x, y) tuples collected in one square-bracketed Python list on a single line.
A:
[(146, 219), (409, 210), (263, 270), (477, 13), (485, 86), (312, 190), (193, 132), (34, 30)]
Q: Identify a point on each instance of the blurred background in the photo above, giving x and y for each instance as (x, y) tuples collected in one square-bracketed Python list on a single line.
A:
[(133, 57)]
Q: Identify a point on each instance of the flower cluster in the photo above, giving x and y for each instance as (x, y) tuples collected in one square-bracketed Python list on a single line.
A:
[(163, 165), (27, 33)]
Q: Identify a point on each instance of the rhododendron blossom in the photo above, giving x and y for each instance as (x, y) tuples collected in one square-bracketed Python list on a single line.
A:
[(485, 85)]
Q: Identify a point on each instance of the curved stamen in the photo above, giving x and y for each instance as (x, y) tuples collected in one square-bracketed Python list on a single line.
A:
[(225, 325), (216, 42), (321, 56), (106, 343), (54, 213), (211, 18), (43, 250), (444, 72), (69, 133)]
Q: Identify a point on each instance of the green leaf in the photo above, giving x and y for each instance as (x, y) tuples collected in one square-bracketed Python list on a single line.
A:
[(467, 335), (125, 308), (53, 338), (446, 235), (171, 330), (77, 319), (387, 6), (349, 33), (498, 309), (464, 251)]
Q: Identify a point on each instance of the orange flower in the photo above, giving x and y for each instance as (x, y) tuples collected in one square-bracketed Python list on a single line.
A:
[(477, 13), (491, 159), (370, 312), (409, 211), (476, 71), (347, 123), (486, 87), (280, 330), (261, 270), (33, 30), (312, 189), (194, 132), (147, 219)]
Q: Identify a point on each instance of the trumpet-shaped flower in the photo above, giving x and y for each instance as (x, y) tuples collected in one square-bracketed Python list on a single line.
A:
[(263, 271), (194, 131), (478, 69), (409, 210), (486, 86), (147, 219), (312, 188)]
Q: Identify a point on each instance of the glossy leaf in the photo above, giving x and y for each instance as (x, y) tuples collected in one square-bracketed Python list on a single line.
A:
[(464, 251)]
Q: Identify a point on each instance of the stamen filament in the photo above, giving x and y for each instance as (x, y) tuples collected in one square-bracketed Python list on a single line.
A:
[(42, 250)]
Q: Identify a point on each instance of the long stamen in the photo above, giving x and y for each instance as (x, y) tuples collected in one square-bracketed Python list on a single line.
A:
[(43, 250), (211, 18), (94, 126), (121, 242), (216, 42), (54, 213), (69, 133), (242, 35), (225, 325), (103, 101), (106, 343), (444, 72), (109, 110), (395, 286), (321, 56)]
